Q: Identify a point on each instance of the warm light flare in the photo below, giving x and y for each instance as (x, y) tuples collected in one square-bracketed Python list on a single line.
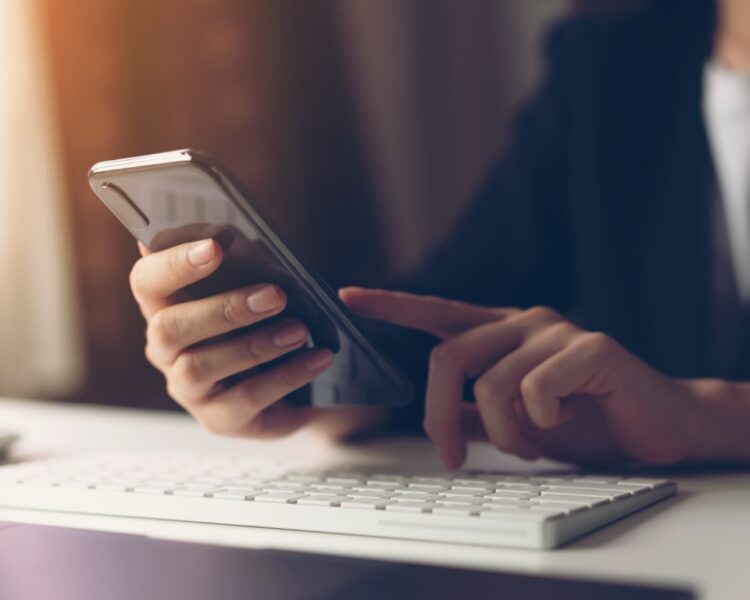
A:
[(39, 340)]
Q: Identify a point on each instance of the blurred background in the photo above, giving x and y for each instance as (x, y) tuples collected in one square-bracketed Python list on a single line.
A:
[(362, 126)]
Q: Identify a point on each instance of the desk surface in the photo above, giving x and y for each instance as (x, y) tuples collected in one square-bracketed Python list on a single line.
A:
[(701, 538)]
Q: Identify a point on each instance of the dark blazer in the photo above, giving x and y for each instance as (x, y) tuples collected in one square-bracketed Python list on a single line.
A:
[(603, 206)]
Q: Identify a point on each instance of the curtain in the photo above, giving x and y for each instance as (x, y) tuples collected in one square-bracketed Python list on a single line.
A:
[(40, 350)]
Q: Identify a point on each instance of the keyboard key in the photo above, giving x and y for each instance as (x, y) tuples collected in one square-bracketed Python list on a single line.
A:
[(373, 503), (466, 481), (248, 481), (460, 495), (173, 483), (419, 495), (329, 486), (196, 491), (634, 489), (575, 498), (441, 481), (304, 478), (78, 485), (650, 483), (506, 502), (345, 480), (557, 507), (112, 487), (458, 510), (560, 503), (272, 490), (596, 479), (369, 494), (321, 500), (277, 497), (228, 495), (459, 502), (584, 492), (206, 480), (387, 477), (587, 487), (152, 489), (510, 494), (410, 507), (384, 484), (513, 485), (286, 485), (372, 488), (427, 487)]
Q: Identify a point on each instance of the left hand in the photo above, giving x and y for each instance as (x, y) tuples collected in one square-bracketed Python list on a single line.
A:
[(543, 385)]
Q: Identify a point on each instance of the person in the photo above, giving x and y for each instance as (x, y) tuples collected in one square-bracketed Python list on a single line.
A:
[(619, 216)]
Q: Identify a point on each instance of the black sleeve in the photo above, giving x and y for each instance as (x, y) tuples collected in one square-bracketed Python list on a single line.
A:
[(510, 248)]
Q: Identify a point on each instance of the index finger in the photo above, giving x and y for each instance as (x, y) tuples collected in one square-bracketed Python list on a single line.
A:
[(437, 316), (156, 277)]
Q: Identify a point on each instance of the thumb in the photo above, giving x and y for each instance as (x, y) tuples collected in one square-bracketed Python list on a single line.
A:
[(436, 316)]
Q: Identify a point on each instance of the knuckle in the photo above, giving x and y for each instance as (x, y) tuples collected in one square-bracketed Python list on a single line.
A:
[(484, 387), (599, 343), (251, 394), (542, 313), (444, 354), (289, 379), (136, 280), (163, 330), (176, 259), (180, 393), (561, 329), (189, 369), (253, 352), (231, 312), (148, 353), (174, 393), (532, 386)]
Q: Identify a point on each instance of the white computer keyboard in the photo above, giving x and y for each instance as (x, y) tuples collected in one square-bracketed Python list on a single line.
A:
[(458, 507)]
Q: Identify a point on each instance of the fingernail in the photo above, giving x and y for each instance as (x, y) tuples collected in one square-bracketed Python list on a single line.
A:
[(201, 253), (319, 360), (289, 335), (264, 299)]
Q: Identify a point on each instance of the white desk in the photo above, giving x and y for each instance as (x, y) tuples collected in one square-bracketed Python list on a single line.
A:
[(700, 539)]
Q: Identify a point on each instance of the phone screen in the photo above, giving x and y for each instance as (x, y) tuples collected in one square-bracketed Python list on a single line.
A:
[(184, 196)]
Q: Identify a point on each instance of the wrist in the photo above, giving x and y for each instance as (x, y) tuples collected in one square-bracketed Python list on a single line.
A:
[(719, 424)]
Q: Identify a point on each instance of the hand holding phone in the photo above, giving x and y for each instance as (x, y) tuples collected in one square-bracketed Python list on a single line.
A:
[(191, 343), (236, 320)]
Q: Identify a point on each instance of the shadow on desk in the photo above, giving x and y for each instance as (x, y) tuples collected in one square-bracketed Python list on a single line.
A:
[(627, 524)]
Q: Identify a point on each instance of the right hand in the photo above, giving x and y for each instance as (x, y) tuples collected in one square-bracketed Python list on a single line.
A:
[(186, 341)]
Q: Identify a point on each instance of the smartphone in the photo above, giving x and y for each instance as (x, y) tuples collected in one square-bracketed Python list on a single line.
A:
[(187, 195)]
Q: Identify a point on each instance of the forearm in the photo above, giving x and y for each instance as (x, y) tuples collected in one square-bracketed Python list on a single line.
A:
[(721, 427)]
